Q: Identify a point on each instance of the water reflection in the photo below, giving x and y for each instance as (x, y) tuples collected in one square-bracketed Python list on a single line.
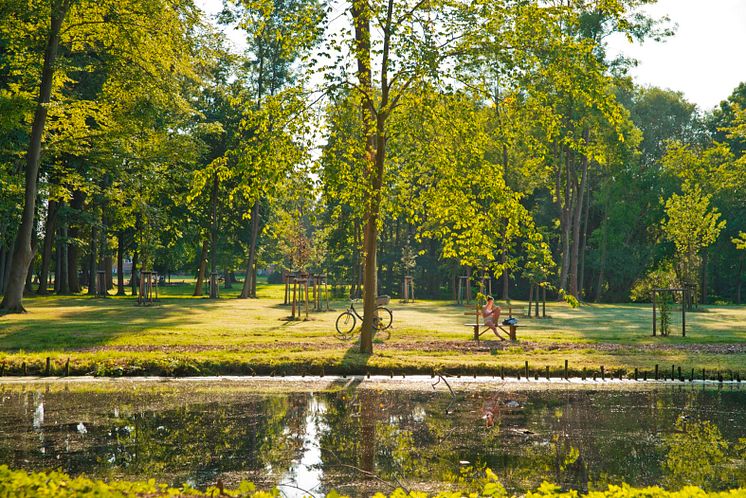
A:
[(357, 439)]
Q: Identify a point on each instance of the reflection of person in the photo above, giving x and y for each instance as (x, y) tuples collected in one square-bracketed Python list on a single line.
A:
[(491, 315)]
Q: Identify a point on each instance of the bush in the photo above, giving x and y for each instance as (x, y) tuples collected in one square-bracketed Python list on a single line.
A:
[(20, 484)]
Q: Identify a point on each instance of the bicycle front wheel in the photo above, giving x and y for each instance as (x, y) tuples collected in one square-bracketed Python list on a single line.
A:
[(345, 325)]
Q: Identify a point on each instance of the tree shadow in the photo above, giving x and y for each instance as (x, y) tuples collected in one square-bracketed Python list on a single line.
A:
[(82, 322)]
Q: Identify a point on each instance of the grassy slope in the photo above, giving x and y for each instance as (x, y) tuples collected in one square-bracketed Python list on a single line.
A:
[(185, 335)]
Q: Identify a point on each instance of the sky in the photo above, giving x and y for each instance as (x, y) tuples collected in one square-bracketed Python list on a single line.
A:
[(705, 59)]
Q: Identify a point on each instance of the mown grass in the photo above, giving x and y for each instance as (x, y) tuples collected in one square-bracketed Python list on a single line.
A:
[(192, 336)]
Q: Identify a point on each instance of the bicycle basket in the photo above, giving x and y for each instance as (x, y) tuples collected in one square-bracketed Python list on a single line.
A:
[(383, 300)]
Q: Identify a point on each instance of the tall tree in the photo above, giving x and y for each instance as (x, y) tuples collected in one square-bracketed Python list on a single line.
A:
[(149, 38)]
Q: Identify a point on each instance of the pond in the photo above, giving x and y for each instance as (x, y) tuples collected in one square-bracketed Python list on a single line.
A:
[(356, 436)]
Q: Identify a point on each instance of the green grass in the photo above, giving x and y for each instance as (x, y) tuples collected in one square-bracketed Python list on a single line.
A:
[(191, 336)]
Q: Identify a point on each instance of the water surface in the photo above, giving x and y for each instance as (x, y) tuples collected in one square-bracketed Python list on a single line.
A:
[(356, 436)]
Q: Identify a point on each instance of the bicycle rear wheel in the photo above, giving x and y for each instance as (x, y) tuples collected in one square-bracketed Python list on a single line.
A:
[(385, 317), (345, 325), (383, 324)]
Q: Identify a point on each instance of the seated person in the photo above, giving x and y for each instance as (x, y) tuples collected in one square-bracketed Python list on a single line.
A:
[(491, 315)]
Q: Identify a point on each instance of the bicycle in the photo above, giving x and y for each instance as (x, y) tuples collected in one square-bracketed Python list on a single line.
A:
[(347, 320)]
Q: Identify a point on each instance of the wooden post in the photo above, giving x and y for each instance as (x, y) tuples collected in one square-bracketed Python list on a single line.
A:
[(655, 319), (547, 372), (307, 298), (295, 285), (49, 367), (566, 369), (603, 374), (530, 298), (67, 368), (656, 371), (286, 281), (526, 370)]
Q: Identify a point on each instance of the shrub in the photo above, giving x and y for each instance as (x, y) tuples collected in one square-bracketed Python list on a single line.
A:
[(21, 484)]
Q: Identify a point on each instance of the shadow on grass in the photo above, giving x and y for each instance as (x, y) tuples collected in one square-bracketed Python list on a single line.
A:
[(355, 361), (82, 322)]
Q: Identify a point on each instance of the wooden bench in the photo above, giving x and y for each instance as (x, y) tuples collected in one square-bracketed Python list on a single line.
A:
[(480, 328)]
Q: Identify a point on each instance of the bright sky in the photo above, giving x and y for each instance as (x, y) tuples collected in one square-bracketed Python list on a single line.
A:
[(704, 59)]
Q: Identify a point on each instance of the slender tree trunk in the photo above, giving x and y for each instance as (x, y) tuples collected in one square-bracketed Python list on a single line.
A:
[(108, 264), (202, 268), (214, 234), (602, 257), (134, 280), (29, 284), (576, 225), (248, 283), (3, 258), (93, 260), (73, 251), (705, 276), (50, 227), (64, 285), (57, 267), (739, 279), (23, 252), (375, 124), (120, 263), (583, 244), (562, 192)]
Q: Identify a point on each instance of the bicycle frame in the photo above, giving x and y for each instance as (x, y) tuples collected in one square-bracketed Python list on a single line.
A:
[(354, 311)]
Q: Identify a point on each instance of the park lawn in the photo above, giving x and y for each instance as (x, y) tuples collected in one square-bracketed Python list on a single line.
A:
[(197, 336)]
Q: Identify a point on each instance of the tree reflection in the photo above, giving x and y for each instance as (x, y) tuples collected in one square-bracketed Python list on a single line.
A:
[(699, 455)]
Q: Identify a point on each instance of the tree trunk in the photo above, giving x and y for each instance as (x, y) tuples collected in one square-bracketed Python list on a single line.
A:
[(108, 264), (73, 251), (214, 234), (3, 258), (120, 264), (134, 280), (23, 253), (57, 266), (64, 285), (584, 243), (374, 129), (248, 282), (562, 157), (576, 225), (705, 275), (92, 262), (202, 268), (602, 258), (46, 251), (739, 279)]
